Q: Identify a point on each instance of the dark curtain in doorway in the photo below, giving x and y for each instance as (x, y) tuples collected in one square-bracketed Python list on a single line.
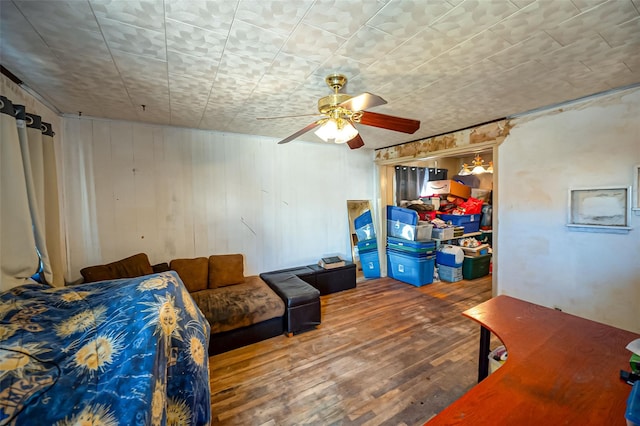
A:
[(409, 181)]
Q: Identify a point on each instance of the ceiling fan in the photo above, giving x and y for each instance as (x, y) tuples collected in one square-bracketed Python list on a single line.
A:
[(341, 111)]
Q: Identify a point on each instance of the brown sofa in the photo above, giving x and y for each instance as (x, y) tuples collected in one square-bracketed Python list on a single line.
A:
[(241, 310)]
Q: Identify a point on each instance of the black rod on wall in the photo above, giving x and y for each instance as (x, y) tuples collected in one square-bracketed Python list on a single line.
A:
[(11, 76)]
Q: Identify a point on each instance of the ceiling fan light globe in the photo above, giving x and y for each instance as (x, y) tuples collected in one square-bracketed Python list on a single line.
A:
[(327, 131), (335, 132), (345, 134)]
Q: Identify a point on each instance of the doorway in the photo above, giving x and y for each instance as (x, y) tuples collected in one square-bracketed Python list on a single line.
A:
[(453, 161)]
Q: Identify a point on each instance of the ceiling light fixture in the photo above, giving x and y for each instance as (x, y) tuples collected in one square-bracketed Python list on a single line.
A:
[(336, 130), (478, 167), (465, 171)]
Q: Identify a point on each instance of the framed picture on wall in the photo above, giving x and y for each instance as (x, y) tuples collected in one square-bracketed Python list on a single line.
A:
[(602, 209)]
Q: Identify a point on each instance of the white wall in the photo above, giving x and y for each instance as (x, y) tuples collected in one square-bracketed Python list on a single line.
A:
[(174, 192), (593, 275)]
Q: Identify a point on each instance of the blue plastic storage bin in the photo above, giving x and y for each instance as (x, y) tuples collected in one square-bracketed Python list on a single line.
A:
[(447, 256), (413, 270), (470, 222), (401, 222), (632, 414), (370, 263), (363, 219), (367, 245), (366, 232), (416, 248), (364, 226), (449, 273)]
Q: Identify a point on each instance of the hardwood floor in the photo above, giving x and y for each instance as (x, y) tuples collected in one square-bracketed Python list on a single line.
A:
[(387, 353)]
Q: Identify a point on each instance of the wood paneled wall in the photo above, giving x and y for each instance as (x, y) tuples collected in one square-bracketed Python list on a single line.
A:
[(176, 192)]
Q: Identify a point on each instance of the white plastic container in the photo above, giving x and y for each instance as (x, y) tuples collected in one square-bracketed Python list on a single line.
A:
[(501, 354), (442, 233), (423, 231), (450, 256)]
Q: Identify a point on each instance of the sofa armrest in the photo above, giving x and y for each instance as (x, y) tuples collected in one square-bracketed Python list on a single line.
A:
[(130, 267)]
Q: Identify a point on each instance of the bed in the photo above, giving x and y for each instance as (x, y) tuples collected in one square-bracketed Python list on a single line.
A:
[(119, 352)]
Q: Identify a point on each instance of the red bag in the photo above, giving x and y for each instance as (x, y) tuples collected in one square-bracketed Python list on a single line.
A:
[(471, 206)]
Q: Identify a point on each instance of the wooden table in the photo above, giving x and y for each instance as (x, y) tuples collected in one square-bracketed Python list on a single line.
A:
[(561, 370)]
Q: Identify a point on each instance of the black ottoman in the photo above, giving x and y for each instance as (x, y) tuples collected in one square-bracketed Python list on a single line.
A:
[(332, 280), (302, 301)]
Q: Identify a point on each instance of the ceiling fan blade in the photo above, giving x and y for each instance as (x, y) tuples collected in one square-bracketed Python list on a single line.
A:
[(389, 122), (286, 116), (363, 101), (356, 142), (303, 131)]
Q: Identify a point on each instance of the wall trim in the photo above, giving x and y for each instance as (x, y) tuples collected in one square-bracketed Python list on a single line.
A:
[(468, 140)]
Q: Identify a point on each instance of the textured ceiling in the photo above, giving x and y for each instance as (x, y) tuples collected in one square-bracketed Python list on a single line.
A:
[(219, 64)]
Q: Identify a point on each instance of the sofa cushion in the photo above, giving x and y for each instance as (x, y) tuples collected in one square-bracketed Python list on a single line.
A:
[(226, 269), (241, 305), (130, 267), (160, 267), (194, 272)]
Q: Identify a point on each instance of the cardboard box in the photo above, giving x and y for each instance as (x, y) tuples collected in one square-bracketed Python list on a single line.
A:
[(450, 187), (482, 249)]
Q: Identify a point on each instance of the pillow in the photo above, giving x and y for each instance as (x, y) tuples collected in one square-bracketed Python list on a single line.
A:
[(225, 269), (160, 267), (96, 273), (192, 272), (129, 267)]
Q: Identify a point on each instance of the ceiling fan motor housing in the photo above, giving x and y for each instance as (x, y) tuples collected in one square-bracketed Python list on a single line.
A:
[(336, 81), (342, 111), (329, 103)]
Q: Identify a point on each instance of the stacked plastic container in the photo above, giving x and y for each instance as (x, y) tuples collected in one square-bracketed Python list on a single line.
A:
[(470, 222), (449, 260), (632, 414), (476, 266), (367, 245), (409, 247)]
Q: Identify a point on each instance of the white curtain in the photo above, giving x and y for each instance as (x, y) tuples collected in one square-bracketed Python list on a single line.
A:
[(29, 209), (52, 207)]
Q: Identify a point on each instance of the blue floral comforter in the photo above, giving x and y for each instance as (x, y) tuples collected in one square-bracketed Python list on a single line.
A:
[(121, 352)]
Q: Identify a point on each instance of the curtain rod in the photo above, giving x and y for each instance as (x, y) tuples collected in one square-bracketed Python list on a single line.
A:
[(11, 76)]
